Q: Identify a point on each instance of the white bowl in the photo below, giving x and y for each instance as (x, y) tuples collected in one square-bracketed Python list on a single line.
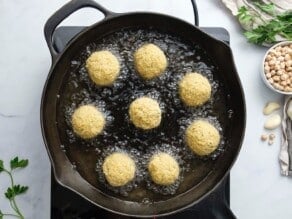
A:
[(263, 69)]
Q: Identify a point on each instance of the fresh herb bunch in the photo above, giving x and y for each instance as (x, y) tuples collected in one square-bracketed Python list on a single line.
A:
[(281, 25), (267, 8), (14, 190)]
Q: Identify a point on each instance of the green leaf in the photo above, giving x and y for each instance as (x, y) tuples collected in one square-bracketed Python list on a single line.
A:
[(268, 8), (9, 194), (286, 17), (281, 25), (18, 189), (253, 36), (244, 15), (1, 166), (15, 163), (14, 191)]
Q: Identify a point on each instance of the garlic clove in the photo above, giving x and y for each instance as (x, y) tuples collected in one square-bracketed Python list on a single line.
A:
[(273, 122), (271, 107)]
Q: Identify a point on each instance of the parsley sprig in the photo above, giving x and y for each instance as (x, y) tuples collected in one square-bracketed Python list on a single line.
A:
[(267, 8), (244, 15), (14, 190), (280, 25)]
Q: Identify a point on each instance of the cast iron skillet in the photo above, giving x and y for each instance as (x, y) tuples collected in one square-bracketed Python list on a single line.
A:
[(64, 172)]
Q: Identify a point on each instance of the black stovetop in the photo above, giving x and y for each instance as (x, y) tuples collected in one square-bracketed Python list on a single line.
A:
[(65, 204)]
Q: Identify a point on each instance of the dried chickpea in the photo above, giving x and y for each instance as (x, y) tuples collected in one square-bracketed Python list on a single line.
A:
[(272, 62), (276, 78), (264, 137), (269, 75), (272, 136), (282, 65), (281, 59), (268, 58), (279, 72), (278, 67)]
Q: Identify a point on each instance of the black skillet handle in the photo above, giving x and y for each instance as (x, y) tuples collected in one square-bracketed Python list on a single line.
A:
[(196, 14), (75, 5), (63, 13)]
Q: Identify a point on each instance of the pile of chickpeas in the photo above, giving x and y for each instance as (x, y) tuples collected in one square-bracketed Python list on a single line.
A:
[(278, 67)]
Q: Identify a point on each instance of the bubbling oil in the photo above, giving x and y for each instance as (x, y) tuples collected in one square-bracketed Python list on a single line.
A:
[(139, 173), (119, 133), (174, 152)]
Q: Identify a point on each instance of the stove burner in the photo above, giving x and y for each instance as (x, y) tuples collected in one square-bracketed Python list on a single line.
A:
[(65, 204)]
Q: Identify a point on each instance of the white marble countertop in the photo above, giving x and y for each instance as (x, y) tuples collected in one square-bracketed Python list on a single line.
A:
[(257, 188)]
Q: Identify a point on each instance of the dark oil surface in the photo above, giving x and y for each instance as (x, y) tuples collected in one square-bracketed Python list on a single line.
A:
[(120, 135)]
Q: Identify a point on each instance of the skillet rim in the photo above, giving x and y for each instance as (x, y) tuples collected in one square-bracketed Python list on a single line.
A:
[(57, 169)]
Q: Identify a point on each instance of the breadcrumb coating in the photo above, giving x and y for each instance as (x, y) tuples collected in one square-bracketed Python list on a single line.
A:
[(150, 61), (145, 113), (87, 121), (194, 89), (163, 169), (202, 137), (119, 169), (103, 68)]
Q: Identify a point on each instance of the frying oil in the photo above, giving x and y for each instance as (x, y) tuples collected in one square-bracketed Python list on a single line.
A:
[(120, 134)]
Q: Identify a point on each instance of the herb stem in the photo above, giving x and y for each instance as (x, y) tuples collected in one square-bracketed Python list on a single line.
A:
[(11, 215), (12, 201), (13, 190), (12, 205)]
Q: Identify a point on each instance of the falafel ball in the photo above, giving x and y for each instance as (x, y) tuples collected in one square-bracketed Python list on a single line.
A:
[(103, 68), (145, 113), (119, 169), (194, 89), (202, 137), (87, 121), (163, 169), (150, 61)]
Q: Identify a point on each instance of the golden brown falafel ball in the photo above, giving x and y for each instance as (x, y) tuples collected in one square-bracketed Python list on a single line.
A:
[(163, 169), (87, 121), (150, 61), (145, 113), (202, 137), (103, 68), (194, 89), (119, 169)]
